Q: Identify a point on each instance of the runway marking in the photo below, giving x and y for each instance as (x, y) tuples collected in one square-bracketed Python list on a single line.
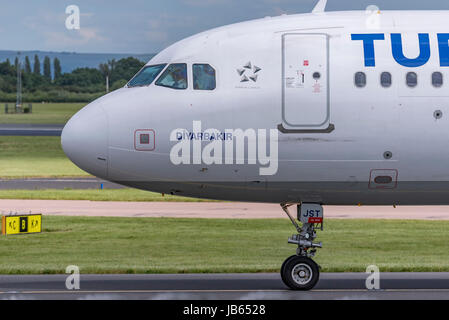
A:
[(30, 129), (221, 291), (55, 180), (142, 291)]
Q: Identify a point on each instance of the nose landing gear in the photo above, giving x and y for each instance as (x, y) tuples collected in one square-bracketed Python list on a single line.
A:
[(300, 272)]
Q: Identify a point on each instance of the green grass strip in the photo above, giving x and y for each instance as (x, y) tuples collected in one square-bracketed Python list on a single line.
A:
[(93, 195), (162, 245)]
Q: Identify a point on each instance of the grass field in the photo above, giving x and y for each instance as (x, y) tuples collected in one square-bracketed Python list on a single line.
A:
[(35, 157), (22, 157), (42, 157), (93, 195), (48, 113), (162, 245)]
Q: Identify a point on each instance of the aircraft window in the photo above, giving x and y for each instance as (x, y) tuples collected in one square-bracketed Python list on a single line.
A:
[(385, 79), (412, 79), (203, 77), (437, 79), (146, 76), (360, 79), (175, 77)]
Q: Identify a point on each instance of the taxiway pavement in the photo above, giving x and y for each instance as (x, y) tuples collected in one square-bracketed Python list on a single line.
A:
[(34, 130), (59, 184), (421, 286)]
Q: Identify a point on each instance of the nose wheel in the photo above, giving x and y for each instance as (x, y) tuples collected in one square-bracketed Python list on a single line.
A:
[(300, 272)]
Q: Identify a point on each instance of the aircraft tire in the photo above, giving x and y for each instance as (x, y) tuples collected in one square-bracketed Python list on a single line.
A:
[(300, 273), (283, 266)]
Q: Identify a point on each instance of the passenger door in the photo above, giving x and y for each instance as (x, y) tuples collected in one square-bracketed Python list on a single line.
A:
[(305, 88)]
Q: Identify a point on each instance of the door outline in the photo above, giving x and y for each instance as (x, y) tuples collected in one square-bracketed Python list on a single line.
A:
[(311, 127)]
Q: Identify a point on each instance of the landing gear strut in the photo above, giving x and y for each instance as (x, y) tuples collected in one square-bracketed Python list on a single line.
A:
[(300, 272)]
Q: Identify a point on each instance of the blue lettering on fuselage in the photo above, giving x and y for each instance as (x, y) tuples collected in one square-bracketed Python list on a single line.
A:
[(368, 46), (443, 46), (204, 136), (397, 49)]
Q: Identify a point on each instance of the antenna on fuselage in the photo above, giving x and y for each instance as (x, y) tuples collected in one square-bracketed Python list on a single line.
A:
[(320, 6)]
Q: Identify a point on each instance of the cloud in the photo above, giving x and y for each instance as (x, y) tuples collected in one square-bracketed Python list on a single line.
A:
[(164, 29), (73, 38), (89, 34), (156, 36), (204, 3), (87, 14), (49, 27)]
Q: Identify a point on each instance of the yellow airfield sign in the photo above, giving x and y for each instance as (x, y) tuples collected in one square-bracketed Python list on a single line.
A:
[(21, 224)]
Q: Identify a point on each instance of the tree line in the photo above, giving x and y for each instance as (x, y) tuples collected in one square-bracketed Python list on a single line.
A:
[(80, 85)]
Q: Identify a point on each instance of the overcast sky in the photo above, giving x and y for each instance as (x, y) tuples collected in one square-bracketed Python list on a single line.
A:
[(147, 26)]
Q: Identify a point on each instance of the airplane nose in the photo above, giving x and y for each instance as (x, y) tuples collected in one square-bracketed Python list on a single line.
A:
[(85, 140)]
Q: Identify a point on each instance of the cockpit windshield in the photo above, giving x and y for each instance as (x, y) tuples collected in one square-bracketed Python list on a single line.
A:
[(146, 76), (174, 77)]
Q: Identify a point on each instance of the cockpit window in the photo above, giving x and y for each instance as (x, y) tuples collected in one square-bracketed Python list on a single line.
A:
[(146, 76), (174, 77), (203, 77)]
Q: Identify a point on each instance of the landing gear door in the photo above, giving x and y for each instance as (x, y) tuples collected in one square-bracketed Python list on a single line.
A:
[(305, 89)]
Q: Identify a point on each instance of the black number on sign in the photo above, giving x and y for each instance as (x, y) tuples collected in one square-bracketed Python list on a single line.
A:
[(24, 224)]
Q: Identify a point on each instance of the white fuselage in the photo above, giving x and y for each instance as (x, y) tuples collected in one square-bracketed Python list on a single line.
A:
[(334, 133)]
